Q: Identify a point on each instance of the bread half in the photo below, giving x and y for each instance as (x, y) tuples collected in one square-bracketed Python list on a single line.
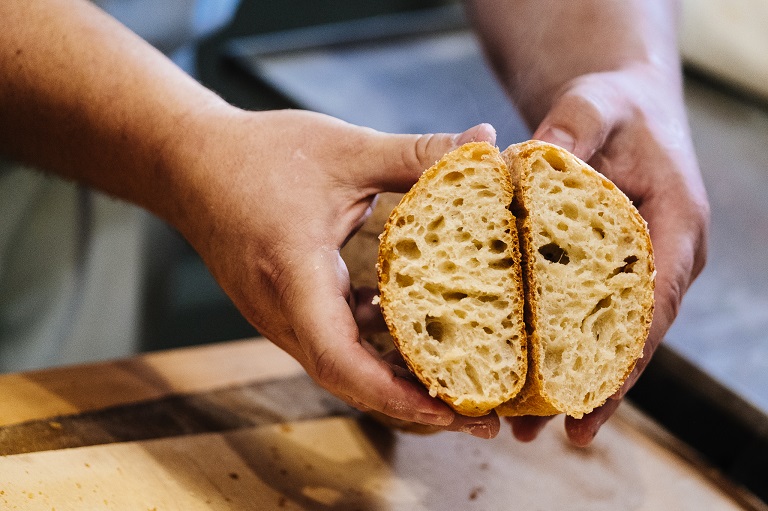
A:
[(450, 281), (589, 279)]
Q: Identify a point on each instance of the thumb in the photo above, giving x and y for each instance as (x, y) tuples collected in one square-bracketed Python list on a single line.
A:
[(581, 120), (399, 160)]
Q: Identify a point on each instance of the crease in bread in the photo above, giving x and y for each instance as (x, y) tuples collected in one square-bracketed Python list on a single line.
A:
[(521, 282)]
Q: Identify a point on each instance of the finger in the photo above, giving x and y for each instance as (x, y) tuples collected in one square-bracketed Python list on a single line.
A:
[(486, 426), (526, 428), (329, 337), (581, 120), (399, 160), (582, 431)]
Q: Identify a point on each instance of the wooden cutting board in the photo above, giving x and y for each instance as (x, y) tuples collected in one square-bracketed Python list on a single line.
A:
[(239, 426)]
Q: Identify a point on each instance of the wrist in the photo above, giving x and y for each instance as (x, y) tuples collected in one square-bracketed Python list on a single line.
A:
[(189, 169)]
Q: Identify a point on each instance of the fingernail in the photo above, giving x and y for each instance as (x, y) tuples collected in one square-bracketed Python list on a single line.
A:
[(559, 136), (434, 419), (479, 430), (483, 132)]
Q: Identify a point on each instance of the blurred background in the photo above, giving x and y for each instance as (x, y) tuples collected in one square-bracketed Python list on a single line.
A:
[(416, 68)]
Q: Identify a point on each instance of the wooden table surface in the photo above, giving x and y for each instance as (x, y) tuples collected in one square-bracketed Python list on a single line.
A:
[(239, 425)]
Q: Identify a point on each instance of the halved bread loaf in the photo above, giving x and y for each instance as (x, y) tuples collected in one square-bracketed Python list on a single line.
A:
[(588, 266), (450, 282), (456, 266)]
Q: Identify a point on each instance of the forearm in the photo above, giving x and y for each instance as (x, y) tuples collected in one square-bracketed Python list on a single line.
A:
[(537, 46), (84, 97)]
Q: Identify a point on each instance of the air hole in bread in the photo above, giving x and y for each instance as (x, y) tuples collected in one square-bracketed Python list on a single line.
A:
[(408, 248), (571, 211), (629, 264), (477, 243), (488, 330), (458, 202), (417, 327), (498, 246), (454, 296), (555, 190), (463, 236), (553, 253), (574, 183), (553, 357), (485, 193), (409, 219), (403, 280), (562, 226), (447, 267), (436, 223), (555, 161), (432, 238), (603, 303), (400, 222), (502, 264), (435, 327), (454, 177), (488, 298), (474, 262), (473, 377), (597, 231), (460, 313)]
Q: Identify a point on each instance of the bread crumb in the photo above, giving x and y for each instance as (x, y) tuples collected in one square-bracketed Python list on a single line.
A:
[(376, 300)]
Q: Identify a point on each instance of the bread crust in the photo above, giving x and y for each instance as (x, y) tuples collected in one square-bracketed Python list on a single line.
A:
[(533, 399)]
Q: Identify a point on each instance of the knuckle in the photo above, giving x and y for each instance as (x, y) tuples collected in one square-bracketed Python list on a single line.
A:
[(327, 370), (416, 155)]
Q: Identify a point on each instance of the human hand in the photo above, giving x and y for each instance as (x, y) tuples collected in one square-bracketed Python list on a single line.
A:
[(268, 200), (630, 125)]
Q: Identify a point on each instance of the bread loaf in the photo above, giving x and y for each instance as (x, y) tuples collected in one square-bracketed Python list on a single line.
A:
[(482, 236), (450, 281), (589, 274)]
